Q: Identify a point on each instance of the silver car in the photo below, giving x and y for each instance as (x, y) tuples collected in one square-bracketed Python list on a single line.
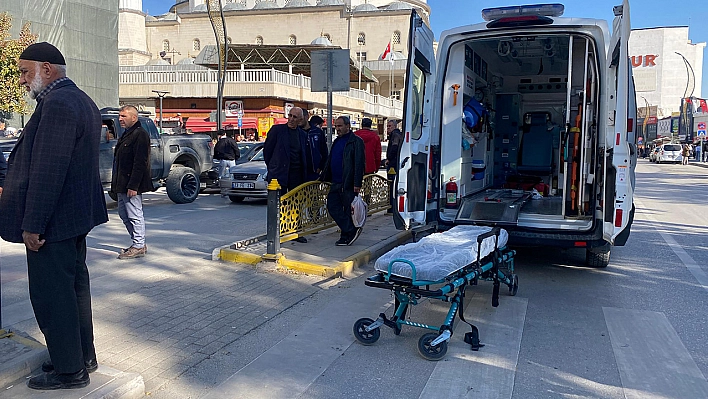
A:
[(246, 180)]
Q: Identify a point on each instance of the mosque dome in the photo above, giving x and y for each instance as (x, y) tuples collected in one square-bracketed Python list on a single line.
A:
[(157, 61), (235, 6), (365, 7), (321, 41), (330, 3), (150, 18), (186, 61), (399, 5), (297, 3), (200, 8), (265, 4)]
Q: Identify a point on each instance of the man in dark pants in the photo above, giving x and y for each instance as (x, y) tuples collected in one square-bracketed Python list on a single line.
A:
[(284, 152), (52, 198), (395, 138), (345, 170), (131, 178)]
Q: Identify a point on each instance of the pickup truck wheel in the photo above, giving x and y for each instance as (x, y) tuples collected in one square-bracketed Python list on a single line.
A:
[(598, 257), (182, 185)]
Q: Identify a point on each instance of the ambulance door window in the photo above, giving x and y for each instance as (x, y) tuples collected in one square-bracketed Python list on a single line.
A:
[(416, 128)]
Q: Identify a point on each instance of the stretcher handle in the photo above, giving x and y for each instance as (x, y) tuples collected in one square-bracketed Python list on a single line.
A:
[(401, 260), (494, 232)]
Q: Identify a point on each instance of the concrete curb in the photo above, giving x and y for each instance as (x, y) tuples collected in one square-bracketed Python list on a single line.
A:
[(334, 269), (22, 365)]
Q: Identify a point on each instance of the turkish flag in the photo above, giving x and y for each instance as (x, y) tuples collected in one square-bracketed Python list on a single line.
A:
[(388, 50), (703, 107)]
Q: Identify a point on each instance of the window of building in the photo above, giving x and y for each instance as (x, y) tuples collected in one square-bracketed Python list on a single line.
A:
[(361, 40), (165, 45), (228, 40), (293, 40), (196, 45), (259, 40), (396, 37), (396, 94), (361, 56)]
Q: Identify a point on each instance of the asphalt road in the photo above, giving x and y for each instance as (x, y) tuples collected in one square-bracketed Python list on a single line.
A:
[(636, 329)]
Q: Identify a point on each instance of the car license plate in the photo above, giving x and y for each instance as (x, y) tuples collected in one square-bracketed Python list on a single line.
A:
[(243, 185)]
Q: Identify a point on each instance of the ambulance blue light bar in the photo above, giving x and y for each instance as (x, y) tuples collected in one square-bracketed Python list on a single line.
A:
[(543, 10)]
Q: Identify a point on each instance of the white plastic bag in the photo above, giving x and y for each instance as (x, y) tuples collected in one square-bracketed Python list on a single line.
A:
[(359, 211)]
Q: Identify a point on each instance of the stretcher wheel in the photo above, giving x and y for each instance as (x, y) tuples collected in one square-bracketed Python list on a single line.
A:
[(514, 285), (430, 352), (363, 336)]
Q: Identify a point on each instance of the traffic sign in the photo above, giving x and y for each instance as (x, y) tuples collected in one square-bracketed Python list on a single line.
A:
[(240, 122), (233, 108), (701, 129)]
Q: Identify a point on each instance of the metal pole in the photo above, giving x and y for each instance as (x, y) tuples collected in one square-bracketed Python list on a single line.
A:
[(273, 221), (329, 99), (161, 113)]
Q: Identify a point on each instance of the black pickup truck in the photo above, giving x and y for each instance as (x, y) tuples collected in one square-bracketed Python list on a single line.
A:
[(182, 162)]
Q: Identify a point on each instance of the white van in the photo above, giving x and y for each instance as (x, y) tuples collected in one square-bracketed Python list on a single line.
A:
[(554, 160)]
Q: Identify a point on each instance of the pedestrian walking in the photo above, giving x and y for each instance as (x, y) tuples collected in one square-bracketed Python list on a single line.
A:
[(372, 146), (345, 171), (395, 138), (698, 153), (317, 151), (51, 199), (226, 151), (285, 153), (685, 152), (131, 178)]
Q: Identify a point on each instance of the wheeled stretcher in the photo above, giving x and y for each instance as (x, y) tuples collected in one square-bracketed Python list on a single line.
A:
[(440, 266)]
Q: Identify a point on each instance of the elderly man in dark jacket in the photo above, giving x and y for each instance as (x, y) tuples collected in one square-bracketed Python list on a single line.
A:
[(285, 152), (345, 170), (131, 178), (52, 198)]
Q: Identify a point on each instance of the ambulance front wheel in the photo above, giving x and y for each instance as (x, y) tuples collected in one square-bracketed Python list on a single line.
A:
[(363, 336)]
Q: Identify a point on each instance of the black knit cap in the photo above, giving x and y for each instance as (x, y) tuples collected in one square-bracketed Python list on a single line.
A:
[(43, 52)]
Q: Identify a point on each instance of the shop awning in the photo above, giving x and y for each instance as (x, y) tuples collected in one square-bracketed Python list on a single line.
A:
[(199, 125)]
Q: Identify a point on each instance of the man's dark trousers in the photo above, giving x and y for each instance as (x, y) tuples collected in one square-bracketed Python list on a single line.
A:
[(339, 206), (61, 297)]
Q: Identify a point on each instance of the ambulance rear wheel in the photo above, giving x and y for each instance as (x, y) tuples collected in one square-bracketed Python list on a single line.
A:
[(598, 257), (363, 336), (430, 352)]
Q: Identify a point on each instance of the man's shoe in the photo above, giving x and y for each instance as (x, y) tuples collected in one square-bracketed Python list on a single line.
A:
[(356, 235), (124, 250), (91, 366), (342, 242), (49, 381), (133, 253)]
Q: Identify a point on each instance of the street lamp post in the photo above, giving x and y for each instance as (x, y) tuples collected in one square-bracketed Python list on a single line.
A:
[(161, 94), (686, 119)]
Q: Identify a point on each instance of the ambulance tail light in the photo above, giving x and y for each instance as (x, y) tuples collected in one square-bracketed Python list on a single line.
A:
[(618, 217)]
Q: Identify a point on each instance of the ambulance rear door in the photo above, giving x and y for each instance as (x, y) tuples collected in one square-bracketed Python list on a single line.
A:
[(411, 183), (621, 149)]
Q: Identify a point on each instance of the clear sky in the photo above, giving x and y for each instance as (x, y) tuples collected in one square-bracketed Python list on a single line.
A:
[(446, 14)]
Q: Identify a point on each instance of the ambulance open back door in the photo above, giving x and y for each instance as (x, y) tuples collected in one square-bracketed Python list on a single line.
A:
[(412, 182), (620, 133)]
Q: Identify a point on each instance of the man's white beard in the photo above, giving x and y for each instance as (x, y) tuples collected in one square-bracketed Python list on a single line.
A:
[(35, 85)]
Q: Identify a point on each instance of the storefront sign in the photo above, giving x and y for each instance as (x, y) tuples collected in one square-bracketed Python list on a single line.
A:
[(644, 60)]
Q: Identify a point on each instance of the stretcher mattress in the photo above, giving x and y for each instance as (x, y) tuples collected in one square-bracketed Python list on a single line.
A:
[(441, 254)]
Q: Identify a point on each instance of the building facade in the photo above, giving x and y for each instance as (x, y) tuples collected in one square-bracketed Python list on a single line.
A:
[(86, 34), (171, 42), (666, 68)]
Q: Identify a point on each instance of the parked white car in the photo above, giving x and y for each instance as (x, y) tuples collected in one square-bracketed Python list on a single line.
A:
[(669, 153)]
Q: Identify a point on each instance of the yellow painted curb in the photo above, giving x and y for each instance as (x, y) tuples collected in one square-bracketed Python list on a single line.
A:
[(232, 255), (339, 268)]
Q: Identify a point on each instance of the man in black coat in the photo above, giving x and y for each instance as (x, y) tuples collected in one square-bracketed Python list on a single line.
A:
[(131, 178), (227, 152), (3, 171), (52, 198), (285, 152), (345, 170)]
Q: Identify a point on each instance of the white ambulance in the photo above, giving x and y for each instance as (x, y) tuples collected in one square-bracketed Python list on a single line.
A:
[(552, 155)]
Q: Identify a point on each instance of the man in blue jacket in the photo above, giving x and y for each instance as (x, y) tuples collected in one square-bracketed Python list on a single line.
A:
[(52, 198), (285, 154), (345, 170), (317, 151)]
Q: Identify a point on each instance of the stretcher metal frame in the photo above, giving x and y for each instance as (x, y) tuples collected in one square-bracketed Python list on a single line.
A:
[(497, 267)]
